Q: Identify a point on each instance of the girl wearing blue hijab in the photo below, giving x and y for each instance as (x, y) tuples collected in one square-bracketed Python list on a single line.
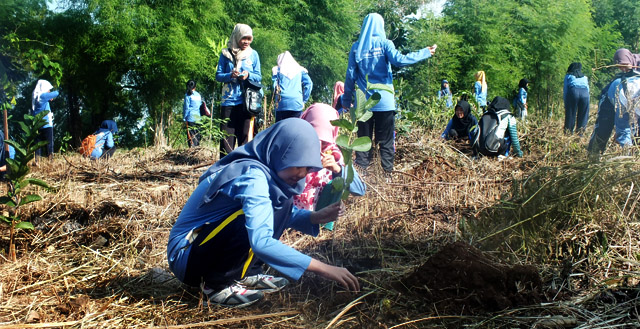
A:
[(233, 220), (105, 146), (371, 57)]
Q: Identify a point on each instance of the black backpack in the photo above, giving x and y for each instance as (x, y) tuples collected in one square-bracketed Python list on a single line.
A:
[(492, 128)]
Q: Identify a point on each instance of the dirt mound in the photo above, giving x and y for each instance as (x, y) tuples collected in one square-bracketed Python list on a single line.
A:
[(461, 279)]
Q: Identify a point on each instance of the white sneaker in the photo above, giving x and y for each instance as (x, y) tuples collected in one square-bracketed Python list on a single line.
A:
[(263, 282), (232, 296)]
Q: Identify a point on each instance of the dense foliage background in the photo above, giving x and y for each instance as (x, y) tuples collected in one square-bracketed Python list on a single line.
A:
[(130, 59)]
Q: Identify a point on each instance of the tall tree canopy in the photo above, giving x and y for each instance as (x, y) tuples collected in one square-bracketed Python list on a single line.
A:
[(130, 59)]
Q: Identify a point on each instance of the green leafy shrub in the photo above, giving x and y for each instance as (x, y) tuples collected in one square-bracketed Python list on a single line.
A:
[(346, 142), (17, 172)]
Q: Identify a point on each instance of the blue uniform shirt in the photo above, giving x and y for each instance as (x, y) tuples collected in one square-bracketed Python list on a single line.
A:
[(376, 65), (294, 92), (481, 96), (104, 138), (43, 105), (191, 107), (249, 192), (232, 89)]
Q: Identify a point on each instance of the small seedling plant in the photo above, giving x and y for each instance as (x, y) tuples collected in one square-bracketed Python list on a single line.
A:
[(347, 142), (17, 177)]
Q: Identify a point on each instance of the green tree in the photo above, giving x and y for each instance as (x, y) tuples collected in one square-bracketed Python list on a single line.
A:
[(17, 176), (510, 40)]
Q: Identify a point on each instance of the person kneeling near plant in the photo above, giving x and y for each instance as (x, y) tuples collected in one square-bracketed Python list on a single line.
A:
[(462, 124), (233, 220)]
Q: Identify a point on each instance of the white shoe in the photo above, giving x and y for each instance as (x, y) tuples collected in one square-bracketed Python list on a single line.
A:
[(233, 296), (264, 283)]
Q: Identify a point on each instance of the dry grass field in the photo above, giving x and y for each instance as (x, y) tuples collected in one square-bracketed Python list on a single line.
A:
[(547, 241)]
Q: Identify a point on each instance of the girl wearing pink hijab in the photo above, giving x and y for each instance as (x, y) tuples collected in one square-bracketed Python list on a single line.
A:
[(320, 116), (338, 91)]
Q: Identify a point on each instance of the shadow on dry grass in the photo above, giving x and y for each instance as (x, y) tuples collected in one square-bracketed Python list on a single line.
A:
[(97, 258)]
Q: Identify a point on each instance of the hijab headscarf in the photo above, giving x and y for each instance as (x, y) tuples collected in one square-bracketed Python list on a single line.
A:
[(575, 69), (500, 103), (481, 77), (288, 143), (444, 90), (462, 125), (239, 31), (288, 66), (372, 29), (319, 116), (624, 56), (43, 86), (338, 90), (523, 84), (108, 125)]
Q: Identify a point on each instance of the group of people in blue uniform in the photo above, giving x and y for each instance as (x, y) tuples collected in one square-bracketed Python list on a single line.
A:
[(43, 94), (231, 224), (617, 106)]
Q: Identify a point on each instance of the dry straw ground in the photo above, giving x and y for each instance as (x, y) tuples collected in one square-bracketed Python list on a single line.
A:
[(97, 257)]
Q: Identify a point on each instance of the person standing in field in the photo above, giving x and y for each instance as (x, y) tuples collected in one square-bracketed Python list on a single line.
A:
[(370, 58), (238, 63), (576, 99), (291, 85), (480, 89), (619, 104), (520, 102), (191, 114), (445, 93), (41, 97)]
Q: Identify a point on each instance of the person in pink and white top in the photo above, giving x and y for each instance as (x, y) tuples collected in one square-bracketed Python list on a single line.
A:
[(320, 116)]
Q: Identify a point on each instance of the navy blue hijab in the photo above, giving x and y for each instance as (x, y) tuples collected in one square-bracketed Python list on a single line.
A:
[(288, 143), (108, 125)]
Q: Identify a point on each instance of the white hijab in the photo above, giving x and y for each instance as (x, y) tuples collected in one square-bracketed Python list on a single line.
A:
[(43, 86), (239, 31), (288, 66)]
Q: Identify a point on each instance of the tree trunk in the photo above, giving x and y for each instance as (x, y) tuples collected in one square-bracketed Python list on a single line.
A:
[(74, 124), (12, 246)]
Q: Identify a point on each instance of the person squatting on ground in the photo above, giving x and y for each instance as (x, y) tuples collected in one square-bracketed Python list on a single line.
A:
[(105, 146), (480, 89), (576, 99), (445, 93), (233, 220), (461, 125), (495, 137), (291, 85), (319, 116), (619, 104), (371, 57), (520, 102), (191, 114), (41, 97), (238, 62)]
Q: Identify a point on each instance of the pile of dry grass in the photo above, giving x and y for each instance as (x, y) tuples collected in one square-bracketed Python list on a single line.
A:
[(97, 258)]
